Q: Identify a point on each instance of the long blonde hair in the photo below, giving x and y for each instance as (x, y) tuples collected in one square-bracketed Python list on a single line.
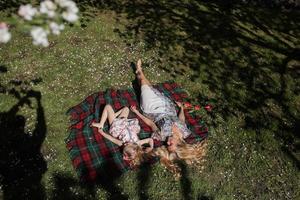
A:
[(189, 153), (140, 155)]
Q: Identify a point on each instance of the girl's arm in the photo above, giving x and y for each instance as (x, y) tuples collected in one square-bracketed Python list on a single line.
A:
[(110, 138), (147, 121), (146, 141), (181, 112)]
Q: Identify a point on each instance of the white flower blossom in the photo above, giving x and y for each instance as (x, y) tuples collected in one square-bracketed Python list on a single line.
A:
[(71, 10), (61, 3), (4, 34), (51, 10), (70, 17), (27, 12), (39, 36), (72, 7), (68, 4), (56, 28), (48, 7)]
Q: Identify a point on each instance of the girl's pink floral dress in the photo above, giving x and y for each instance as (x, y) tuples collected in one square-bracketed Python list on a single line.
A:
[(125, 129)]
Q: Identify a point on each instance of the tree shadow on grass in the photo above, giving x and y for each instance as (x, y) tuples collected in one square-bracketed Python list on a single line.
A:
[(186, 184), (203, 197), (21, 162), (67, 187), (143, 181), (135, 83), (107, 178)]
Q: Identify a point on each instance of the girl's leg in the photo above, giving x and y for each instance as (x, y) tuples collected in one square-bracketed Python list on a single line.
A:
[(140, 74), (108, 113), (124, 112)]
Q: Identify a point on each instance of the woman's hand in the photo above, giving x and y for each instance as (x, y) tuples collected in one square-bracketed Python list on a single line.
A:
[(133, 109), (179, 104)]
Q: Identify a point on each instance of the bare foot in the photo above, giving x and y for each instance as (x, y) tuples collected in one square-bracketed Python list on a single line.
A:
[(138, 66)]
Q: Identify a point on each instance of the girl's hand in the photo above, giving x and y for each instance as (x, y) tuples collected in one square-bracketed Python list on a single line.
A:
[(97, 125), (148, 149), (133, 109)]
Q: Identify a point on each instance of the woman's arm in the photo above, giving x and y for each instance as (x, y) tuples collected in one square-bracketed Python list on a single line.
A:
[(111, 138), (181, 112), (147, 121)]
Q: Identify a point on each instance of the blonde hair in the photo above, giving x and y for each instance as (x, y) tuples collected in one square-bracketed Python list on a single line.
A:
[(139, 157), (189, 153)]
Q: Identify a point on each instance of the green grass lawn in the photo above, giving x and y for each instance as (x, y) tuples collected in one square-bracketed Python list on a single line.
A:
[(242, 58)]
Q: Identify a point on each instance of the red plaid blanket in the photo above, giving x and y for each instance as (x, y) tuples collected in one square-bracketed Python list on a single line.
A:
[(90, 153)]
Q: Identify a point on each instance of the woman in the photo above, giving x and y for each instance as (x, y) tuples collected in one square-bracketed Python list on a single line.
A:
[(124, 133), (160, 114)]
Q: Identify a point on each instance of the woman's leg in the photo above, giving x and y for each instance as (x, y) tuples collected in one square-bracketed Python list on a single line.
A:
[(140, 74), (108, 113), (151, 102)]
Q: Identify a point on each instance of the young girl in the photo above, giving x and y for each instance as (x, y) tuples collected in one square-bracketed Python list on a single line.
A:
[(160, 114), (124, 133)]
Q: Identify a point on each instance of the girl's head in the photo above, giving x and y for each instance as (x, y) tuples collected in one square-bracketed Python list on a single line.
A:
[(134, 154), (130, 151)]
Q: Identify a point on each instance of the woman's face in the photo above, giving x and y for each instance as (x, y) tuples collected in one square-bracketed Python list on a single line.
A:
[(172, 143), (174, 139)]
